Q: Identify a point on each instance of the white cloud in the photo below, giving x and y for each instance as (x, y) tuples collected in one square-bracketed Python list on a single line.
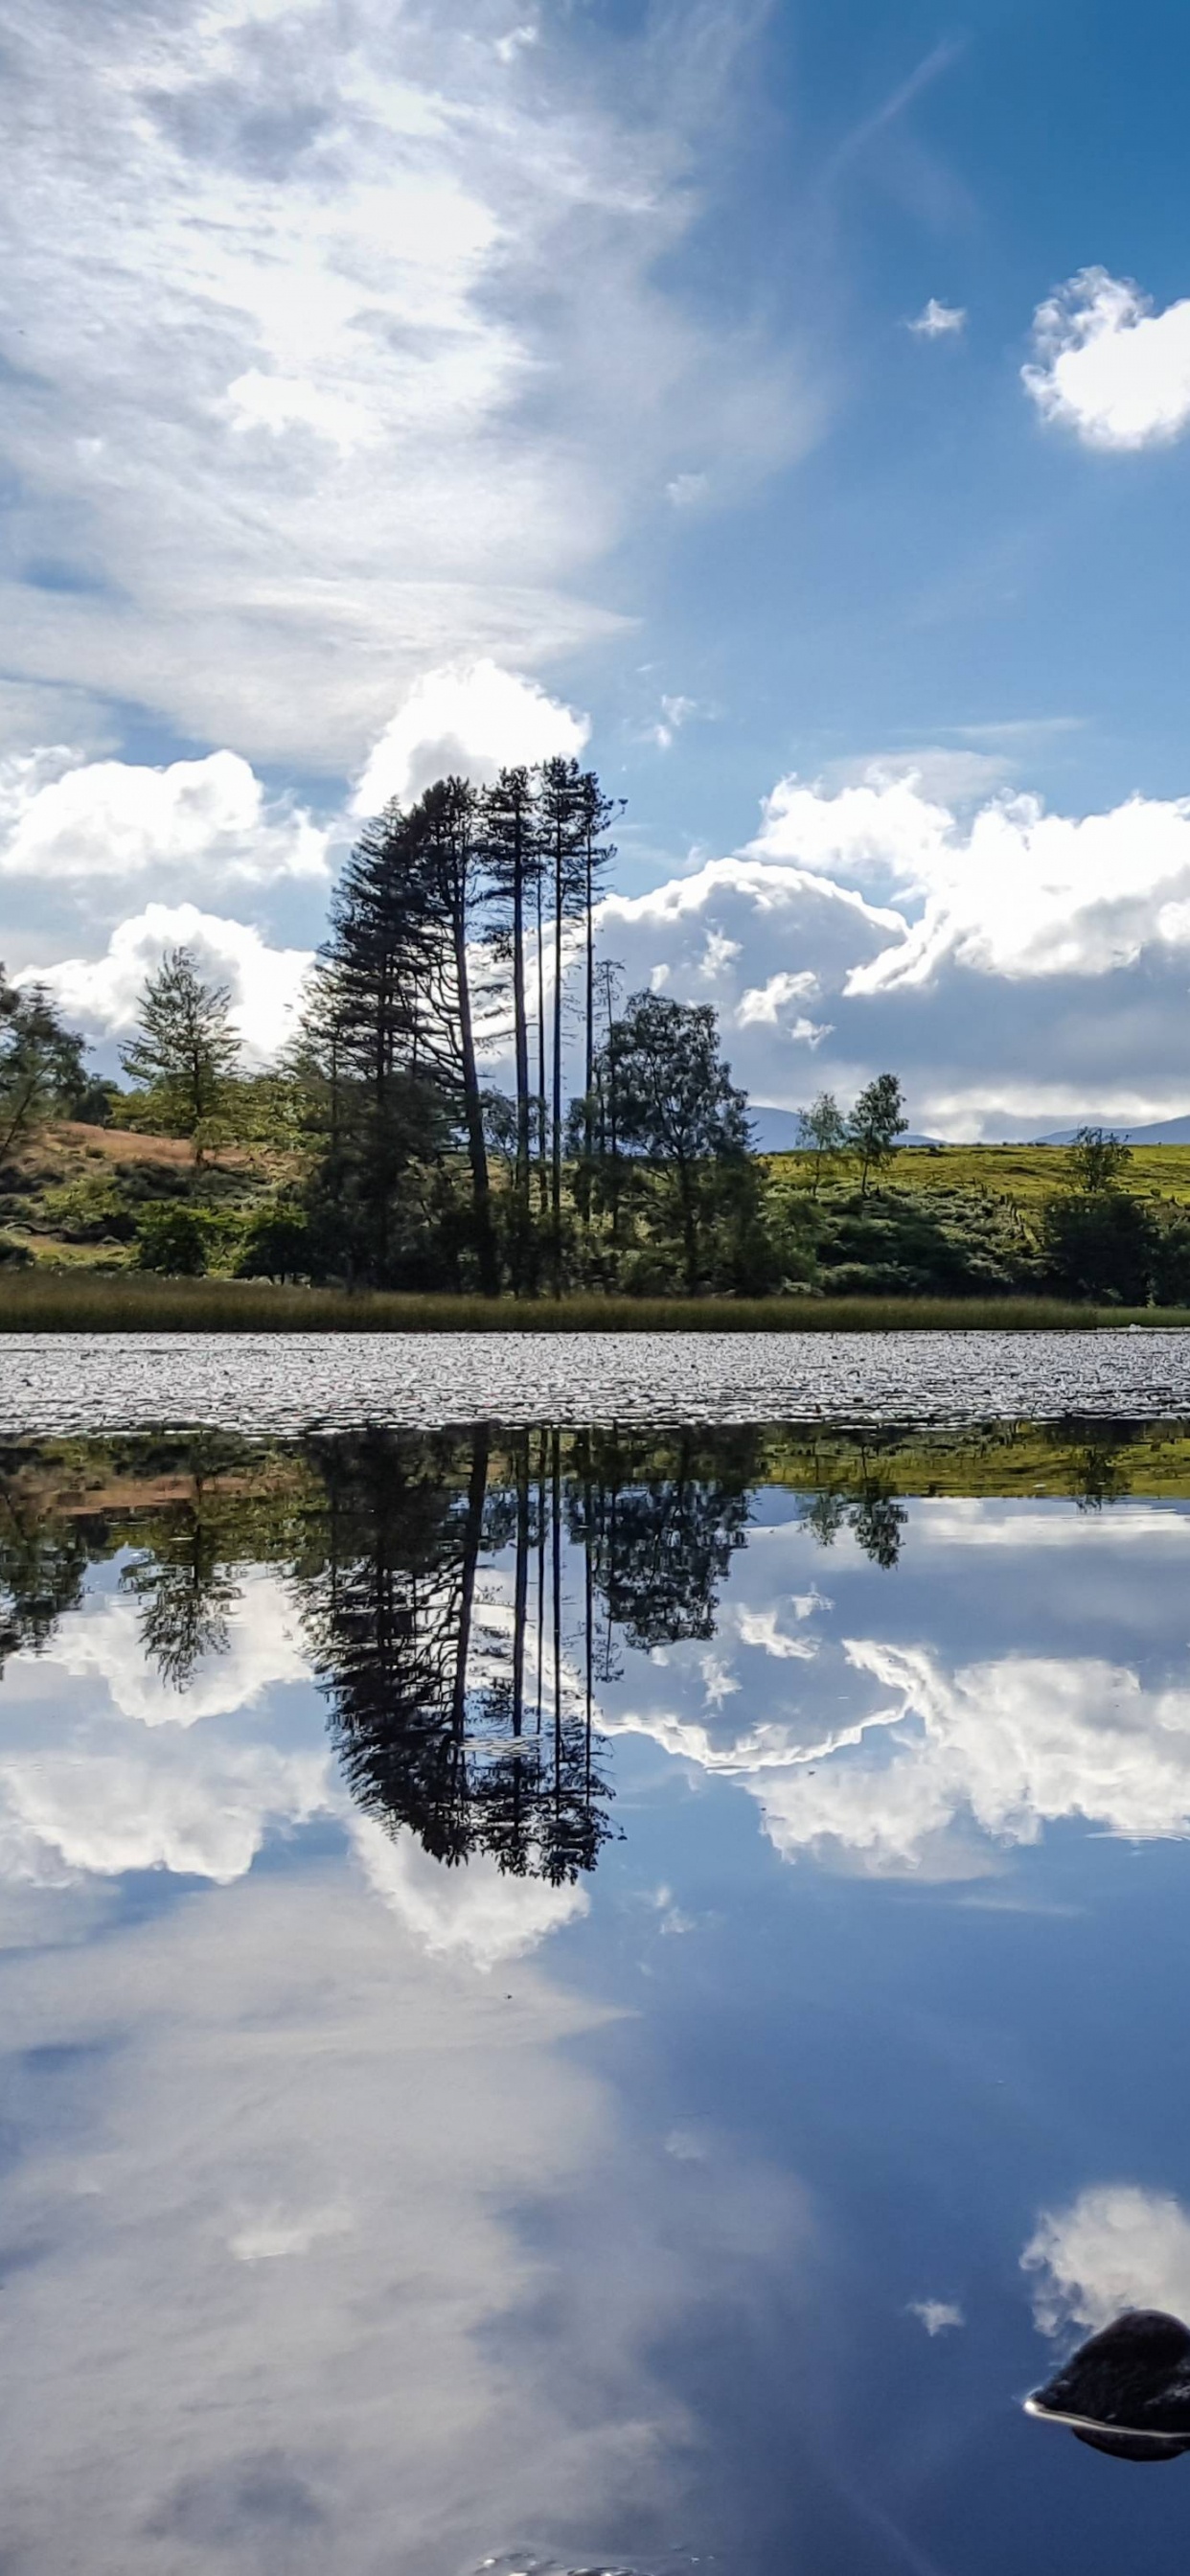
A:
[(898, 1759), (767, 1005), (939, 321), (1109, 367), (1007, 1746), (472, 719), (382, 355), (102, 994), (1026, 893), (200, 1809), (205, 822), (105, 1770), (675, 712), (936, 2315), (1114, 2247), (477, 1913), (1018, 968), (102, 1644)]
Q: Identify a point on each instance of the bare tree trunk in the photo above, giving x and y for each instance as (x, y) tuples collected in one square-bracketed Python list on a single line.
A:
[(521, 1033), (541, 1120), (556, 1140), (477, 1487), (481, 1191)]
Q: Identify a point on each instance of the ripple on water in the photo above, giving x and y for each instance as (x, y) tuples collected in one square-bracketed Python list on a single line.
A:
[(283, 1382)]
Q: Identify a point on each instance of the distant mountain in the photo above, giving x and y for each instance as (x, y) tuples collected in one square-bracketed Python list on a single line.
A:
[(1168, 1131), (776, 1130)]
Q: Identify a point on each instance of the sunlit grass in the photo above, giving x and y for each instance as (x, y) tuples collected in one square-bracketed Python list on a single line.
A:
[(1026, 1174), (41, 1302)]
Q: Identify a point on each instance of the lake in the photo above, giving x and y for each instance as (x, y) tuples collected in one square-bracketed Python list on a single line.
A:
[(586, 1995)]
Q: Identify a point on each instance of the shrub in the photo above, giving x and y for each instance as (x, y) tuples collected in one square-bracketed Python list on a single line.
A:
[(174, 1239), (277, 1246), (1103, 1246)]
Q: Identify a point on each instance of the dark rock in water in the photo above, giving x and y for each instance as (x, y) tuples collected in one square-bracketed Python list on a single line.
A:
[(1127, 2391)]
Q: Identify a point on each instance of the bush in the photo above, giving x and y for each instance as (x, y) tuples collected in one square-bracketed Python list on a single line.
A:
[(14, 1256), (928, 1243), (174, 1239), (277, 1246), (1102, 1246)]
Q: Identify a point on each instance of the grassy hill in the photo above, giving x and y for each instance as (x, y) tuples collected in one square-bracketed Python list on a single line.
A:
[(1024, 1174), (73, 1196)]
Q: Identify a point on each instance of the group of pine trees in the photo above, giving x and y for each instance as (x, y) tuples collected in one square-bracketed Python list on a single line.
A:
[(462, 927), (455, 925), (468, 922)]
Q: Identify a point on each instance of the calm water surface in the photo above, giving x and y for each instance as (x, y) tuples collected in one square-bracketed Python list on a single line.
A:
[(588, 2000)]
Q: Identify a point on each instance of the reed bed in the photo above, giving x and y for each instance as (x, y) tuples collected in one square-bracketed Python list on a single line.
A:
[(65, 1303)]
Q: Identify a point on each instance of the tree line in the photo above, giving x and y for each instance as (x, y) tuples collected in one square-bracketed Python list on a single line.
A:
[(463, 927)]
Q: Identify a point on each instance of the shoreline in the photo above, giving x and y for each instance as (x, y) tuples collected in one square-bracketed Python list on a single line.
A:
[(126, 1304)]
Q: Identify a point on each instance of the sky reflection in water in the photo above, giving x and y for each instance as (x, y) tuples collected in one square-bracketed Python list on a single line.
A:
[(619, 1996)]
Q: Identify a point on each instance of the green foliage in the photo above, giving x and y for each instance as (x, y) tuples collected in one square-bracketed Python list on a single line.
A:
[(681, 1133), (1101, 1245), (41, 1063), (921, 1243), (175, 1239), (277, 1245), (1097, 1162), (876, 1122), (91, 1209), (823, 1133), (186, 1053)]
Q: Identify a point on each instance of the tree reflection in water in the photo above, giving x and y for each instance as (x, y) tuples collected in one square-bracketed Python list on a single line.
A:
[(463, 1709), (466, 1596)]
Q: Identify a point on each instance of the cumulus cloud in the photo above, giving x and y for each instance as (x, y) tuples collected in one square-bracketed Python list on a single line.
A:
[(904, 1759), (102, 1644), (473, 719), (939, 321), (206, 822), (382, 359), (1006, 1745), (477, 1913), (1107, 366), (1114, 2247), (105, 1770), (997, 957), (101, 995)]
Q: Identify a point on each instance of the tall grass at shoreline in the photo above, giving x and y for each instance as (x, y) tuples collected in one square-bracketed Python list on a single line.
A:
[(136, 1304)]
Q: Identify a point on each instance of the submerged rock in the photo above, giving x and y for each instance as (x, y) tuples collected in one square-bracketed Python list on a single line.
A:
[(1127, 2391)]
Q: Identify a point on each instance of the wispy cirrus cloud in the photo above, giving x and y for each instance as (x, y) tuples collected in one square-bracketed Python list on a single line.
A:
[(379, 364)]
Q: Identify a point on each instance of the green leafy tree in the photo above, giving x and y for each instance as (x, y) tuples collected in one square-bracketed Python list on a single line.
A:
[(1097, 1162), (822, 1132), (679, 1115), (175, 1239), (277, 1245), (41, 1063), (186, 1052), (875, 1124), (379, 1111), (1101, 1244)]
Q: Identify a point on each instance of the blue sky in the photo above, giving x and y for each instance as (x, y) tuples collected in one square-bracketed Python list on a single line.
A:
[(361, 367)]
